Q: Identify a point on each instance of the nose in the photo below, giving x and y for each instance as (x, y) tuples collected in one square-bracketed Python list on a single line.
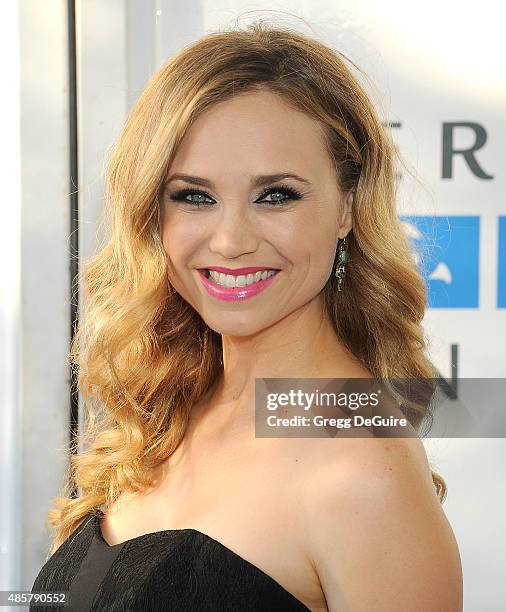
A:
[(234, 233)]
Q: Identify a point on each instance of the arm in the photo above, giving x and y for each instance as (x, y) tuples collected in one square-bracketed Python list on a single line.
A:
[(377, 535)]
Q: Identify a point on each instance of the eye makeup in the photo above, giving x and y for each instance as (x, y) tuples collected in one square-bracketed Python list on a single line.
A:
[(289, 192)]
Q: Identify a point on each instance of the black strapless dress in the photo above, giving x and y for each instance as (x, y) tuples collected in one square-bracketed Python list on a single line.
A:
[(176, 569)]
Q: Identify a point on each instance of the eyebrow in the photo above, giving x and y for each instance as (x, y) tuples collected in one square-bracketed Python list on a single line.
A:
[(256, 181)]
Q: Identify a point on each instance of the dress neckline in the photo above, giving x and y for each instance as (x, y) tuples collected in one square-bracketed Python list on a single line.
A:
[(190, 532)]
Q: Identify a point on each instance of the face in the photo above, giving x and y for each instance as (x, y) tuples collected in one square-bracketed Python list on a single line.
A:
[(234, 219)]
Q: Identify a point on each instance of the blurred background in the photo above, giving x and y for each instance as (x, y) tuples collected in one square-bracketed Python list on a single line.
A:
[(72, 70)]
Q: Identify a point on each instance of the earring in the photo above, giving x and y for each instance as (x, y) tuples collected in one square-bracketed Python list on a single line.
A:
[(340, 272)]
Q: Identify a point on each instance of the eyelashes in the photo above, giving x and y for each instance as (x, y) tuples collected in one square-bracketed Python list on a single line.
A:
[(289, 192)]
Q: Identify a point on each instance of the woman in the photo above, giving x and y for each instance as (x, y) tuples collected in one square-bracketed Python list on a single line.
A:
[(253, 234)]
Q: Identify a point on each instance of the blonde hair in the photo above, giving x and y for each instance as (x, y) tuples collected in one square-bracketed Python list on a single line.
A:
[(142, 354)]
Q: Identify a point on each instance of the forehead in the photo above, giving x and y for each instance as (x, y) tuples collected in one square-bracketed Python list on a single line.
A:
[(253, 133)]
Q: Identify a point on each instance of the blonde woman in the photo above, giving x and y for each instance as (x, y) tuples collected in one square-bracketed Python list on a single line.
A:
[(254, 234)]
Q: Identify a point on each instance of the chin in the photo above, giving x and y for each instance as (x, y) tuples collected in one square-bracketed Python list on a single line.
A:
[(229, 325)]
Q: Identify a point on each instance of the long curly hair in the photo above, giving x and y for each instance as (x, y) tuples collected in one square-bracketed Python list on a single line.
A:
[(142, 355)]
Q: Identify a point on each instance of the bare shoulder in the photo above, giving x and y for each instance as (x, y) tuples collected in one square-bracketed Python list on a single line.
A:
[(377, 535)]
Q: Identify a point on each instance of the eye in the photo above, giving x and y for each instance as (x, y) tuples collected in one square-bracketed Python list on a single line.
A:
[(282, 190), (291, 194), (180, 196)]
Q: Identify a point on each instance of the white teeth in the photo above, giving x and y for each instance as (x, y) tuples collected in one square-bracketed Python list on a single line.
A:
[(230, 281)]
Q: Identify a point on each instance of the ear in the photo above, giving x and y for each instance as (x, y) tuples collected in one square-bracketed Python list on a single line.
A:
[(346, 222)]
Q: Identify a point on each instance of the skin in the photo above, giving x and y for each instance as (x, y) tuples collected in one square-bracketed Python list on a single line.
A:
[(282, 331), (357, 525)]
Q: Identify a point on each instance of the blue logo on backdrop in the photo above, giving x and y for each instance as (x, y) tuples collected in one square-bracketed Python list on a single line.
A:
[(447, 252), (501, 258)]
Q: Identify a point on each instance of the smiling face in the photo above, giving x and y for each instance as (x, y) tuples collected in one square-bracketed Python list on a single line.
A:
[(237, 218)]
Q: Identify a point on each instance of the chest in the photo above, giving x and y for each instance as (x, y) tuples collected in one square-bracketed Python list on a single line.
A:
[(246, 498)]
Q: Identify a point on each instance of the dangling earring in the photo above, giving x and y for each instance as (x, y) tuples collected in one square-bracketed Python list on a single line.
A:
[(340, 272)]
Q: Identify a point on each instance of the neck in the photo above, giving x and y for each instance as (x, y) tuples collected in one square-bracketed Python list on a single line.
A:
[(301, 345)]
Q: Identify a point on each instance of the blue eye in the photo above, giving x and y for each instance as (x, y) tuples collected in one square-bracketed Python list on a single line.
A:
[(291, 194), (288, 192), (180, 196)]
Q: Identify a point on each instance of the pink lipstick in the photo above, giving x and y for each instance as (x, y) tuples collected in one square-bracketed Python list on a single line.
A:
[(235, 293)]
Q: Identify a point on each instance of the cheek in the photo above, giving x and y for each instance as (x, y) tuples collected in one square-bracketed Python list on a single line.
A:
[(309, 239), (178, 239)]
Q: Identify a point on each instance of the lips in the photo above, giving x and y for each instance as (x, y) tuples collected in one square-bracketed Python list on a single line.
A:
[(235, 293), (239, 271)]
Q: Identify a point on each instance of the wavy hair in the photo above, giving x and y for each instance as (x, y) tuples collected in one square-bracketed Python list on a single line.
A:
[(142, 355)]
